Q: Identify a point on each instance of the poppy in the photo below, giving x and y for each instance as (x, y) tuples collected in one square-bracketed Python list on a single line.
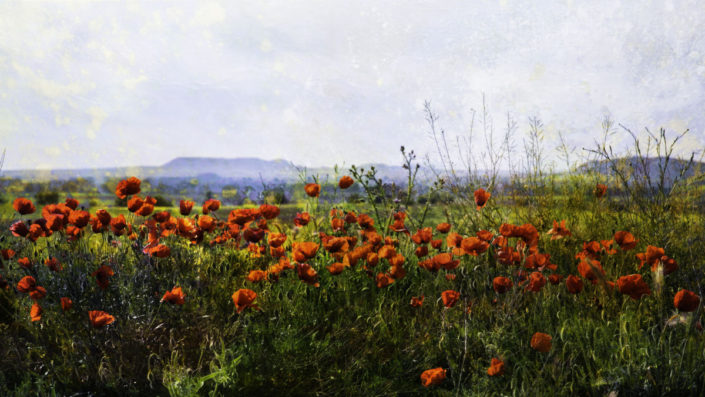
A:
[(185, 207), (422, 236), (365, 221), (591, 270), (541, 342), (269, 211), (433, 376), (79, 218), (19, 229), (559, 230), (496, 367), (159, 251), (437, 244), (600, 190), (29, 286), (345, 182), (134, 204), (66, 304), (313, 189), (255, 276), (53, 264), (555, 278), (7, 253), (417, 302), (206, 223), (104, 216), (350, 217), (443, 227), (117, 224), (71, 203), (473, 246), (481, 198), (35, 313), (145, 210), (421, 251), (336, 268), (633, 285), (175, 296), (244, 298), (625, 240), (484, 235), (23, 206), (383, 280), (573, 284), (686, 301), (307, 274), (501, 284), (302, 219), (127, 187), (536, 282), (24, 262), (102, 276), (450, 298), (303, 251), (210, 205), (99, 318)]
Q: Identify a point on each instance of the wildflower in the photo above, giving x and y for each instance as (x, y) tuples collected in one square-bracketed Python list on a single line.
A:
[(175, 296), (574, 284), (29, 286), (383, 280), (686, 301), (450, 298), (53, 264), (496, 367), (23, 206), (600, 190), (559, 230), (313, 189), (345, 182), (625, 240), (99, 318), (481, 197), (633, 285), (433, 376), (66, 304), (443, 227), (244, 298), (101, 276), (185, 207), (541, 342), (302, 219), (536, 282), (35, 312), (127, 187), (417, 301), (501, 284), (307, 274)]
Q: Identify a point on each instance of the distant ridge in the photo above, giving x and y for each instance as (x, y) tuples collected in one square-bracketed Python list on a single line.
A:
[(207, 170)]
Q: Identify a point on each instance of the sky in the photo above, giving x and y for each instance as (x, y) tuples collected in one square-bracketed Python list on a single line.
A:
[(86, 84)]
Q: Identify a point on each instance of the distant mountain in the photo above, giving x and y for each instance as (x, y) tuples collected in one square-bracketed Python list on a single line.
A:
[(635, 168), (207, 170)]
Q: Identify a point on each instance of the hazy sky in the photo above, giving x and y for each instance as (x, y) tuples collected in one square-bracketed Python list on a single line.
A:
[(323, 82)]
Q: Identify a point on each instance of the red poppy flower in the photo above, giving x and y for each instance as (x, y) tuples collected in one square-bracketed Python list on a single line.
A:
[(24, 262), (555, 278), (496, 367), (307, 274), (433, 376), (66, 304), (99, 318), (573, 284), (481, 198), (19, 229), (502, 284), (185, 207), (302, 219), (79, 218), (303, 251), (473, 246), (127, 187), (53, 264), (633, 285), (71, 203), (536, 282), (29, 286), (686, 301), (541, 342), (102, 276), (383, 280), (210, 205), (591, 270), (244, 298), (36, 312), (255, 276), (313, 189), (417, 302), (443, 227), (159, 251), (23, 206), (345, 182), (600, 190), (450, 297), (175, 296), (7, 253), (559, 230), (625, 240)]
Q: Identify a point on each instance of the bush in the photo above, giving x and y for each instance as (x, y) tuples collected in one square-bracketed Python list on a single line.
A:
[(47, 197)]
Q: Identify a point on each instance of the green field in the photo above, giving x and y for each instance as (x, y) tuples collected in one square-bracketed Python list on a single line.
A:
[(351, 334)]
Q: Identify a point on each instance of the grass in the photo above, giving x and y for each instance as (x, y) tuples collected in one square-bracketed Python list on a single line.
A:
[(349, 337)]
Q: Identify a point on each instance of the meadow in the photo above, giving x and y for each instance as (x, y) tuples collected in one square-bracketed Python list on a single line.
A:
[(572, 284)]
